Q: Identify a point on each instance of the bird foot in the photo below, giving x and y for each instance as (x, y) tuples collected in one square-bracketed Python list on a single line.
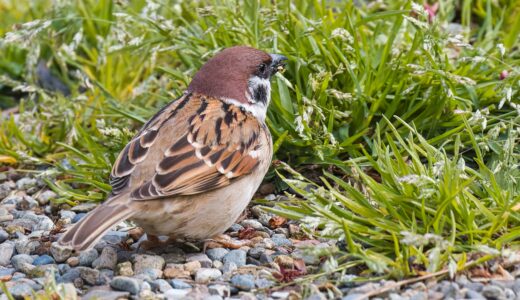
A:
[(225, 241)]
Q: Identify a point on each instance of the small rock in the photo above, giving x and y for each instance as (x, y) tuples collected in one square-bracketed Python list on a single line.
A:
[(150, 273), (205, 275), (107, 259), (221, 290), (6, 251), (78, 217), (42, 271), (263, 283), (493, 292), (86, 258), (175, 271), (176, 294), (60, 253), (3, 235), (470, 294), (353, 296), (91, 276), (73, 261), (124, 269), (144, 261), (67, 214), (105, 295), (84, 207), (280, 240), (45, 197), (204, 260), (419, 296), (229, 268), (284, 261), (26, 183), (20, 262), (43, 260), (235, 227), (115, 237), (4, 190), (256, 252), (266, 258), (238, 257), (244, 282), (26, 245), (217, 264), (69, 276), (179, 284), (252, 224), (21, 290), (123, 283), (175, 256), (217, 253), (192, 266), (161, 285)]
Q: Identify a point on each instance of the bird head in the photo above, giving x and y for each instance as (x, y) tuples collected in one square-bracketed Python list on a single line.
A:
[(239, 75)]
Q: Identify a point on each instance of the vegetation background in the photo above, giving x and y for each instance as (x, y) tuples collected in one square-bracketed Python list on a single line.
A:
[(396, 125)]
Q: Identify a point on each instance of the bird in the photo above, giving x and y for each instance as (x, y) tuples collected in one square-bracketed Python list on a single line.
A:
[(193, 168)]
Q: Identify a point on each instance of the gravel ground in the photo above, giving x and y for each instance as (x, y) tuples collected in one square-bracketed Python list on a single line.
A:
[(117, 268)]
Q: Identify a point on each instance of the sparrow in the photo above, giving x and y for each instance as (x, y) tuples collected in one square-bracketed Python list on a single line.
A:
[(194, 166)]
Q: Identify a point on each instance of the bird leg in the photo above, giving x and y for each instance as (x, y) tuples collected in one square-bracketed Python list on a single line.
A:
[(223, 240)]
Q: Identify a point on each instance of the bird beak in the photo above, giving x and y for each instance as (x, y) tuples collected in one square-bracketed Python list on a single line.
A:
[(278, 63)]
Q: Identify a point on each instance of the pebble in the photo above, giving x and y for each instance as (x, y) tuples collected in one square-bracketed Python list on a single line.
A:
[(45, 197), (60, 253), (20, 262), (175, 271), (263, 283), (229, 268), (202, 258), (145, 261), (238, 257), (124, 269), (86, 258), (217, 253), (244, 282), (256, 252), (236, 227), (179, 284), (176, 256), (161, 285), (193, 266), (471, 294), (84, 207), (107, 259), (221, 290), (252, 224), (3, 235), (281, 240), (26, 183), (26, 203), (67, 214), (175, 294), (91, 276), (205, 275), (493, 292), (284, 261), (96, 294), (6, 252), (69, 276), (78, 217), (20, 290), (73, 261), (4, 190), (123, 283), (26, 245), (43, 260)]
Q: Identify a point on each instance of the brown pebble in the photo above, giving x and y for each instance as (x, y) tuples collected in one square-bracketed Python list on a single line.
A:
[(266, 188), (284, 261), (192, 267), (176, 271), (73, 261)]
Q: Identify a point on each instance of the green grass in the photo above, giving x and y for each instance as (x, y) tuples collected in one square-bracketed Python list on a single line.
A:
[(414, 127)]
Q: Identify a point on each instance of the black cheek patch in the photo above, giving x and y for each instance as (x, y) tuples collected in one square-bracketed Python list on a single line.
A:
[(260, 94)]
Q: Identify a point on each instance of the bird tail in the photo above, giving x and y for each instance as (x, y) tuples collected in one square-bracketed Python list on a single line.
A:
[(84, 234)]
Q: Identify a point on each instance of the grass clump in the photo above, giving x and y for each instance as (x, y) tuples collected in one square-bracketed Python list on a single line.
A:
[(413, 113)]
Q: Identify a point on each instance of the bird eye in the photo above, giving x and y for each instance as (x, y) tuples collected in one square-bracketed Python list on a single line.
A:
[(262, 68)]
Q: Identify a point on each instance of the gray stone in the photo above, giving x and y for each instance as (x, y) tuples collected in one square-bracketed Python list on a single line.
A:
[(144, 261), (509, 293), (123, 283), (266, 258), (86, 258), (5, 190), (124, 269), (107, 259), (6, 271), (217, 253), (60, 253), (161, 285), (179, 284), (281, 240), (115, 237), (105, 275), (229, 268), (20, 290), (263, 283), (353, 296), (91, 276), (245, 282), (105, 295), (26, 203), (252, 224), (516, 286), (150, 273), (238, 257), (26, 183), (236, 227), (69, 276), (3, 235), (22, 262), (6, 251), (67, 214), (470, 294), (205, 275), (493, 292), (43, 260), (176, 294), (256, 252), (204, 260), (45, 197), (26, 245), (78, 217), (175, 256), (221, 290)]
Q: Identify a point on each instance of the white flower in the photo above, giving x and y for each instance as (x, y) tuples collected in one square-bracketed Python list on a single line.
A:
[(501, 49)]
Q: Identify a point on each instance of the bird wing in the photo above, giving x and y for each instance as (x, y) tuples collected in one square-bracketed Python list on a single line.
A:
[(194, 145)]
